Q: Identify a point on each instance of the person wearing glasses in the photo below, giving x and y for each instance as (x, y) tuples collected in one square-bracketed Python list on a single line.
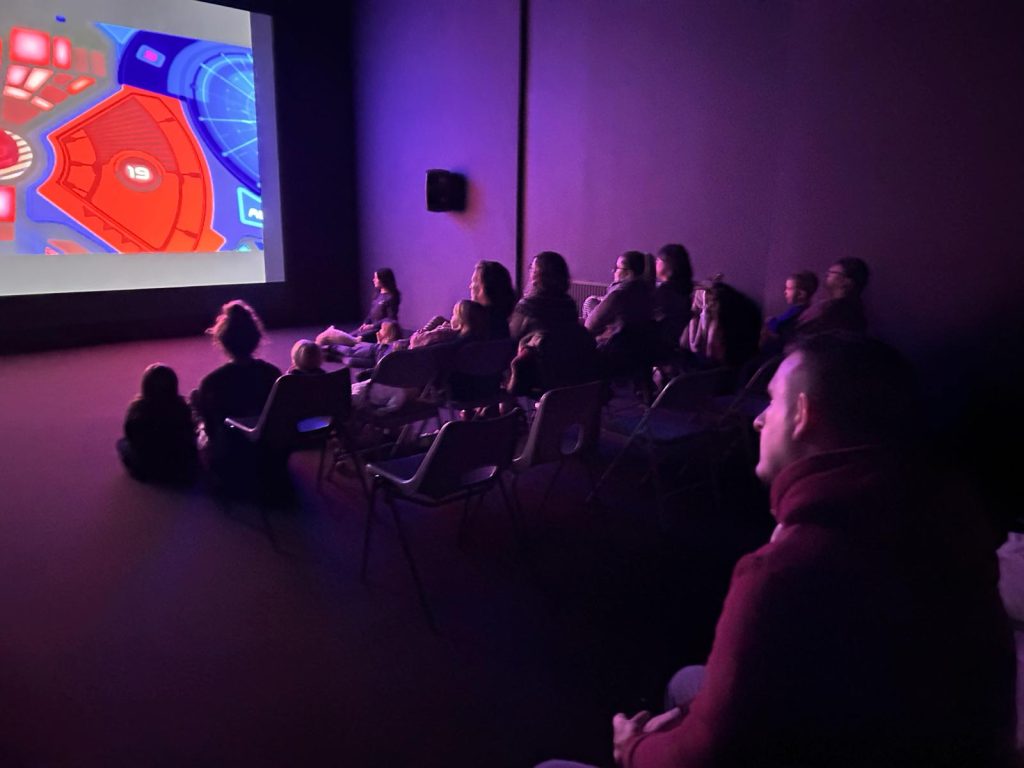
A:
[(845, 282)]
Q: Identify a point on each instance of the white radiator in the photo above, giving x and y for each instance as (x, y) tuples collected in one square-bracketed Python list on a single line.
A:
[(580, 289)]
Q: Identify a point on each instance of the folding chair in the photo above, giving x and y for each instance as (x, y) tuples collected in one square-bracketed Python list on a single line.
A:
[(567, 425), (466, 460), (681, 416)]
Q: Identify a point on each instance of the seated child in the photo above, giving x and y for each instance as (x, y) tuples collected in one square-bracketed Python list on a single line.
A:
[(468, 322), (306, 358), (778, 331), (160, 437), (366, 354)]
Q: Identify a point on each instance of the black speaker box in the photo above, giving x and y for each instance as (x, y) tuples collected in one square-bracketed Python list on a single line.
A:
[(446, 191)]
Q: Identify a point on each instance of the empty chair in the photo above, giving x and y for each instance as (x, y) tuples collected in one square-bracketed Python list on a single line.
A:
[(566, 426), (474, 379), (680, 416), (466, 460), (299, 413)]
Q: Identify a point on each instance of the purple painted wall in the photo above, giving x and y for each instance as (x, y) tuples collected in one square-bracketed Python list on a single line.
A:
[(901, 144), (651, 123), (767, 137), (436, 87)]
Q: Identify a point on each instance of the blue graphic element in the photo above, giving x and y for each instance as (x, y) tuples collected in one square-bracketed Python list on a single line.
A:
[(121, 35), (250, 208), (223, 104), (150, 56), (59, 18)]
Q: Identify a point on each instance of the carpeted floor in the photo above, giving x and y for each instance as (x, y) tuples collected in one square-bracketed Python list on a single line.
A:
[(144, 626)]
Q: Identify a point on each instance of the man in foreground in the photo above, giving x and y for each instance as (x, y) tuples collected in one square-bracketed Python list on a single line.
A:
[(868, 631)]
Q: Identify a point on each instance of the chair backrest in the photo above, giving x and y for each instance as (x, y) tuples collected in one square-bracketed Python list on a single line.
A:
[(302, 403), (466, 452), (484, 358), (408, 368), (689, 392), (568, 422)]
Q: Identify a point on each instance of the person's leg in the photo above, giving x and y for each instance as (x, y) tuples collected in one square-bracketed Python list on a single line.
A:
[(684, 686)]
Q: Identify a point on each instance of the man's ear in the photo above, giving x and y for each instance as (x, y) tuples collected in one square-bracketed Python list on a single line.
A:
[(801, 416)]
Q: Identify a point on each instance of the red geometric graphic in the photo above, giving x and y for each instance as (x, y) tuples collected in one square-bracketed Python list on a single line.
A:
[(62, 52), (130, 171), (30, 46), (6, 204)]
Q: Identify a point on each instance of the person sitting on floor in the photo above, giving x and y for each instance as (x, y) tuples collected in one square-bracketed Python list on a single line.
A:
[(159, 443), (384, 308), (306, 358)]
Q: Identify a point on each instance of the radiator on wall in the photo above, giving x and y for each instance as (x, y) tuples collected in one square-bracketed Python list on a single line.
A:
[(580, 289)]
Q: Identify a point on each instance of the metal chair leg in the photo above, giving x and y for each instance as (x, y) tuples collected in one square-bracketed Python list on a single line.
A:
[(412, 565), (547, 491), (366, 535)]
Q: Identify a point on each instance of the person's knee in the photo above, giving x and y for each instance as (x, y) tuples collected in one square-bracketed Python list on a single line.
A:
[(684, 686)]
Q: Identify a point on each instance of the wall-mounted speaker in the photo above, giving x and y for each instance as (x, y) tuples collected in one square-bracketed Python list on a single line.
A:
[(446, 191)]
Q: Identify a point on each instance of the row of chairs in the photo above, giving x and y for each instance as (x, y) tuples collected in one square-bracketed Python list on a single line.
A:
[(468, 459)]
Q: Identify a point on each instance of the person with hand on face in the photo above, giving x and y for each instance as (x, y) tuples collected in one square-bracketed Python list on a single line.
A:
[(869, 630)]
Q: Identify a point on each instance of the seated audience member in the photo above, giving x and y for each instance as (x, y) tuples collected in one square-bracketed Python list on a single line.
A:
[(470, 321), (160, 437), (555, 350), (725, 328), (673, 294), (384, 308), (239, 388), (367, 355), (622, 323), (491, 287), (306, 358), (778, 331), (869, 630), (845, 282), (547, 302)]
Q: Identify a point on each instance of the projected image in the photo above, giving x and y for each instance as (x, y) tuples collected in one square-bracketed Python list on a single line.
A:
[(122, 140)]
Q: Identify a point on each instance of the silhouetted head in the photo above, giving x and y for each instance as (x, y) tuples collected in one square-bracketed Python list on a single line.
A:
[(800, 287), (384, 280), (491, 286), (674, 267), (388, 333), (159, 382), (549, 274), (237, 329), (469, 318), (629, 265), (307, 356), (847, 277)]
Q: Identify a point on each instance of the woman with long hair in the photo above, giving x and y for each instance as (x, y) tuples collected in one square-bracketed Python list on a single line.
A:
[(491, 287), (383, 308)]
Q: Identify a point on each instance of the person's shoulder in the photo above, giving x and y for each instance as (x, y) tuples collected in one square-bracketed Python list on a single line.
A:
[(267, 368)]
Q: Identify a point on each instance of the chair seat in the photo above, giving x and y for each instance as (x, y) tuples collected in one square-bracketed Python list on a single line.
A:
[(402, 470), (313, 424), (664, 426)]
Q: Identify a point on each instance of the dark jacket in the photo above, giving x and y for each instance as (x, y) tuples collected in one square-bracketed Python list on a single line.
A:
[(868, 632)]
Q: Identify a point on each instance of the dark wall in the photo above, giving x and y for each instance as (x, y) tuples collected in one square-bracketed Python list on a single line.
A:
[(315, 136)]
